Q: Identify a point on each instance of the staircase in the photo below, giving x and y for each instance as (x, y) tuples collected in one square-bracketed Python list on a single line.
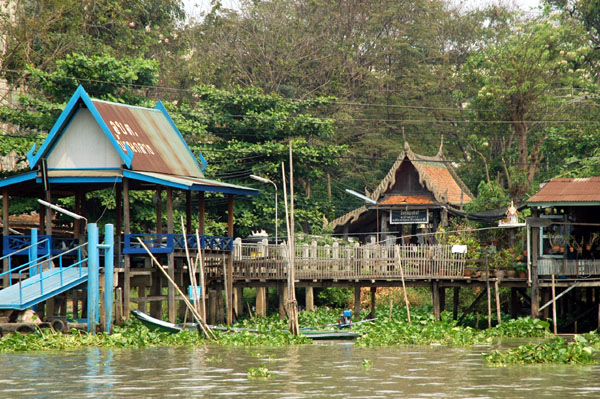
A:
[(34, 284), (40, 287)]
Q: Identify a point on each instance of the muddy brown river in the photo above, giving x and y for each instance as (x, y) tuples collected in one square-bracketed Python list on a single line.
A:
[(320, 370)]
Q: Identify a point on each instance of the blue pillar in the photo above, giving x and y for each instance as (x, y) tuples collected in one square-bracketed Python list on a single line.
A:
[(109, 253), (93, 287), (33, 252)]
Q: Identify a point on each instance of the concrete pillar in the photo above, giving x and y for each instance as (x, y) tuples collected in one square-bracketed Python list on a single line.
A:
[(373, 294), (212, 306), (435, 299), (282, 293), (357, 302), (455, 301), (261, 301), (238, 300), (310, 298)]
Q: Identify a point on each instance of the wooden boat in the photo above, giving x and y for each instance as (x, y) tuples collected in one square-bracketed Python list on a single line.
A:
[(154, 324)]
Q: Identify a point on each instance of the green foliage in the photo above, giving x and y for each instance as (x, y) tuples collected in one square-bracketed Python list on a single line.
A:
[(103, 76), (517, 80), (337, 297), (523, 327), (425, 330), (489, 196), (585, 349), (260, 372)]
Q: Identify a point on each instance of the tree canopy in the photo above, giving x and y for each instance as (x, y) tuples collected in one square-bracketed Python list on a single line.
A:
[(513, 95)]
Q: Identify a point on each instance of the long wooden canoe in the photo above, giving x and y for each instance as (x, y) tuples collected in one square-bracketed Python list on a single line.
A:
[(154, 324)]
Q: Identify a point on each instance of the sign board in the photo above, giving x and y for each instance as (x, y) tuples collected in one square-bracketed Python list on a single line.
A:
[(415, 216)]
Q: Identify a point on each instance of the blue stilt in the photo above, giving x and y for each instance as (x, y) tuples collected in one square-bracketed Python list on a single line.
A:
[(93, 294), (33, 252), (109, 253)]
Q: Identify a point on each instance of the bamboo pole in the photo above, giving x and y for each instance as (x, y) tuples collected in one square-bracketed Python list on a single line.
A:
[(200, 261), (191, 268), (201, 324), (403, 283), (293, 315), (497, 290)]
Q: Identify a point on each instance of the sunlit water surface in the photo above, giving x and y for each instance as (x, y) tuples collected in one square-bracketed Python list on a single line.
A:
[(324, 370)]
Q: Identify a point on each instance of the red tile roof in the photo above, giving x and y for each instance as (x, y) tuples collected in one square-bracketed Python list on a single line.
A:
[(394, 199), (569, 190), (443, 180)]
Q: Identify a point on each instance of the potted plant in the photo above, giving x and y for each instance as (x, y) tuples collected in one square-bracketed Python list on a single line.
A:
[(521, 269), (575, 245)]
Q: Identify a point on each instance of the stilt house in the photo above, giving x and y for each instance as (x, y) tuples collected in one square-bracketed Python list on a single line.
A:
[(98, 144)]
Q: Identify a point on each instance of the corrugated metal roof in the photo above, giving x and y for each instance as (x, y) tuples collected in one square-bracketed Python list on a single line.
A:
[(189, 183), (563, 190), (156, 144), (395, 199)]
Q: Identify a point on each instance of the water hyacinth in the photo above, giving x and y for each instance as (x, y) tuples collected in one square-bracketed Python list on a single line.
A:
[(585, 349)]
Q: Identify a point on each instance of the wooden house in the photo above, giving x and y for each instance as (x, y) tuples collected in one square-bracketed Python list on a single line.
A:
[(564, 244), (413, 197), (98, 144)]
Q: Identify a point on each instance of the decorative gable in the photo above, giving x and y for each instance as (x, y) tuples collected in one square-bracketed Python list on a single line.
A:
[(83, 145)]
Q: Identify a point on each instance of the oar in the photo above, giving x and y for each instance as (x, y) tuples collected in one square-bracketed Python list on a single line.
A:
[(195, 313)]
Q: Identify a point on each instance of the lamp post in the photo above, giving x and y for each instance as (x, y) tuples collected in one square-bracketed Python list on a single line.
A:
[(269, 181)]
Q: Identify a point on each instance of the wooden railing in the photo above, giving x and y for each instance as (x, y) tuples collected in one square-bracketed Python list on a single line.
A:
[(570, 267), (262, 261)]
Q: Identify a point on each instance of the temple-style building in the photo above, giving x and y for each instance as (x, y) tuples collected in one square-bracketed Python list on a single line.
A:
[(414, 197)]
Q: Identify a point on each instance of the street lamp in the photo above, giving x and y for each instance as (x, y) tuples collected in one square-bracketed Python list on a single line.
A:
[(269, 181)]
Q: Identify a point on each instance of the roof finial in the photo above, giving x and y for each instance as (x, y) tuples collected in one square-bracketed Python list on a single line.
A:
[(441, 151)]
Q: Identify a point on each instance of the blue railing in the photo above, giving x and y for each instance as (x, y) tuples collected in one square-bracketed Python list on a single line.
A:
[(42, 253), (49, 273), (19, 244), (167, 243)]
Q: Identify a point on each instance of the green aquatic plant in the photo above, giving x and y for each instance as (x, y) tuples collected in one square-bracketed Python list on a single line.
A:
[(260, 372), (367, 364), (523, 327), (584, 349)]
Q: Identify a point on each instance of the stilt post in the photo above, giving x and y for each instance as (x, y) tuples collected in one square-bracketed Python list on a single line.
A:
[(93, 286)]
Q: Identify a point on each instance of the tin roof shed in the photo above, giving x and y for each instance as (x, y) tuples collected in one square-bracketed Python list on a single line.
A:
[(568, 192), (99, 143)]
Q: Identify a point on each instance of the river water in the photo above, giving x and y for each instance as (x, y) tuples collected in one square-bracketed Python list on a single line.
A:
[(320, 370)]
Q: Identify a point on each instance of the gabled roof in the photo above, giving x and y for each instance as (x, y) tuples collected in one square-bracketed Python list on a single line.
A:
[(435, 174), (145, 139), (568, 191), (151, 148)]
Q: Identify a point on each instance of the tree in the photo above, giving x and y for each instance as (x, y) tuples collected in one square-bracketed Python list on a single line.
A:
[(520, 81), (245, 131)]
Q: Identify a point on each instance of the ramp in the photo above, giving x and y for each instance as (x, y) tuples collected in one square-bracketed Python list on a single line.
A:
[(40, 287)]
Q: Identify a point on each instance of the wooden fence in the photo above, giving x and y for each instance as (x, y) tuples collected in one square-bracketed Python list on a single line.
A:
[(571, 267), (368, 262)]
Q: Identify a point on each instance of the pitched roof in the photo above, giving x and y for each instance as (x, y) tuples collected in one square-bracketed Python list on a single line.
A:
[(563, 191), (435, 174), (124, 141), (145, 139)]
